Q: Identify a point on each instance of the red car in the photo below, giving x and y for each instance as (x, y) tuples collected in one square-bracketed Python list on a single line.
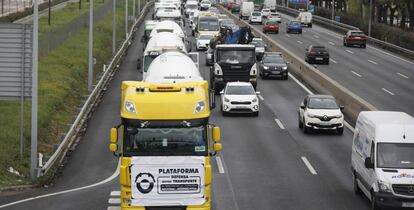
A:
[(353, 37), (271, 26)]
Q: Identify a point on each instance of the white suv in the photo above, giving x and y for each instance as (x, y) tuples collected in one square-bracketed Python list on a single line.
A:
[(321, 112), (239, 97), (255, 17)]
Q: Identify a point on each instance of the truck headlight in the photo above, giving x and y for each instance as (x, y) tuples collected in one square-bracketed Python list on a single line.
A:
[(226, 100), (265, 67), (200, 106), (384, 187), (130, 107)]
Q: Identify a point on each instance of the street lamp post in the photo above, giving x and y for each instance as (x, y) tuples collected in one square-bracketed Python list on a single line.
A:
[(113, 27), (370, 18), (333, 10), (90, 47), (33, 140), (126, 18)]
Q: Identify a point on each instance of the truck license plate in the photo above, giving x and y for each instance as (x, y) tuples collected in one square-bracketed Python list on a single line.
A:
[(407, 204)]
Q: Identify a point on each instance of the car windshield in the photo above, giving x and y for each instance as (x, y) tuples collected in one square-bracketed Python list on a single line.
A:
[(235, 57), (208, 25), (191, 6), (206, 37), (257, 43), (395, 155), (273, 59), (165, 141), (239, 90), (294, 23), (322, 103), (226, 22), (205, 2)]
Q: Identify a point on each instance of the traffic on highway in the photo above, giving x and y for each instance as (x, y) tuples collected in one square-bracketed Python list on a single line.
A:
[(204, 113)]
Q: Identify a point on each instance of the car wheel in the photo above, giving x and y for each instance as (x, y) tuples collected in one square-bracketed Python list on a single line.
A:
[(300, 123), (287, 31), (300, 32), (344, 44), (340, 131), (327, 62), (374, 205), (364, 46), (192, 33), (256, 114), (277, 32), (285, 77), (357, 190), (306, 129)]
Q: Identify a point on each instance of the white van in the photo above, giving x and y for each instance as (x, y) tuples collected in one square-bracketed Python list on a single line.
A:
[(305, 18), (383, 158), (247, 7)]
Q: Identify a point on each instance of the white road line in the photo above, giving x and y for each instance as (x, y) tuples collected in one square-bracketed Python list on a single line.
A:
[(316, 36), (311, 169), (333, 60), (379, 50), (260, 97), (350, 51), (115, 193), (403, 75), (287, 35), (220, 165), (349, 126), (300, 42), (331, 43), (304, 31), (114, 201), (112, 177), (280, 124), (389, 92), (373, 62), (113, 208), (356, 74)]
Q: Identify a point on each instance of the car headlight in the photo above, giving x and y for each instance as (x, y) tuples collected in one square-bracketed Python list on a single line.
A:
[(265, 67), (130, 107), (226, 99), (338, 116), (284, 68), (384, 187), (254, 100), (310, 115), (200, 106)]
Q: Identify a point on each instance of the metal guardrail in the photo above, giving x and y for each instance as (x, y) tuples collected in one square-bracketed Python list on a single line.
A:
[(343, 28), (93, 99), (312, 76)]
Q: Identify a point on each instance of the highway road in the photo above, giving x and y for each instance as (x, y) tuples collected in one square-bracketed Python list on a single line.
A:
[(382, 78), (266, 162)]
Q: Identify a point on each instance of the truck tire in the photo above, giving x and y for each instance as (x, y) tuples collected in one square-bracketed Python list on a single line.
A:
[(356, 188)]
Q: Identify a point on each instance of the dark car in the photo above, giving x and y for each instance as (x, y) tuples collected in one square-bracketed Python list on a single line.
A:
[(270, 26), (294, 27), (235, 8), (353, 37), (272, 65), (317, 54)]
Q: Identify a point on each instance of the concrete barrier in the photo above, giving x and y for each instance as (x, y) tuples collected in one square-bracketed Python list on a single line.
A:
[(311, 76)]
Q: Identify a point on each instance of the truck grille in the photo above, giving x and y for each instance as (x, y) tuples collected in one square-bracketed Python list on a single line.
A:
[(403, 189)]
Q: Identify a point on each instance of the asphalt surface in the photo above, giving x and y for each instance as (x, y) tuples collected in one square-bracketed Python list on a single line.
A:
[(382, 78), (266, 166)]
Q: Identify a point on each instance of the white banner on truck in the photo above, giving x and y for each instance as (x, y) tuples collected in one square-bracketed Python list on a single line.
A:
[(169, 180)]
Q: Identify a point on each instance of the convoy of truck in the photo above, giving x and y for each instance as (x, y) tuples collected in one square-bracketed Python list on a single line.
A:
[(165, 139)]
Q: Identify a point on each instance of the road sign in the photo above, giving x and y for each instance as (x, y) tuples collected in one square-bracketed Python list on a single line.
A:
[(338, 18), (15, 61)]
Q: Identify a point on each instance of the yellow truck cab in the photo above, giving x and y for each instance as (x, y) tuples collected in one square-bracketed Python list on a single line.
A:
[(165, 140)]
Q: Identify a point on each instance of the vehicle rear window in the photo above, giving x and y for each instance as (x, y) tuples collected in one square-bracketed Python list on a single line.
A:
[(318, 49), (265, 10), (256, 14), (271, 23), (357, 33)]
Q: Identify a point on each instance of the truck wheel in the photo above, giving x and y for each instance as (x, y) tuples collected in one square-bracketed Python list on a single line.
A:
[(310, 25), (357, 190), (374, 205)]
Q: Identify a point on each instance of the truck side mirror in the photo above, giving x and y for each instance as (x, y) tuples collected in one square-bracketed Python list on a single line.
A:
[(341, 107), (217, 147), (216, 134), (113, 147), (368, 163)]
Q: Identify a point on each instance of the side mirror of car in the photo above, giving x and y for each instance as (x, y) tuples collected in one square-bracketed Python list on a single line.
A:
[(222, 92), (341, 107), (302, 106), (368, 164), (257, 92)]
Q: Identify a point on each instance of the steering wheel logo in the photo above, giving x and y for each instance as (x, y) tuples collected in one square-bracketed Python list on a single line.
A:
[(144, 182)]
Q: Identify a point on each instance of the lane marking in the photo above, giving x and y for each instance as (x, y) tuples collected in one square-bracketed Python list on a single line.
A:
[(356, 74), (403, 75), (389, 92), (114, 201), (304, 31), (287, 35), (260, 97), (350, 51), (373, 62), (307, 163), (300, 42), (331, 43), (113, 208), (316, 36), (280, 124), (112, 177), (379, 50), (115, 193), (220, 165), (333, 60)]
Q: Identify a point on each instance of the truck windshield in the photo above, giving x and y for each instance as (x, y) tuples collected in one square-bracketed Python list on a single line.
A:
[(395, 155), (210, 24), (235, 57), (165, 141)]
